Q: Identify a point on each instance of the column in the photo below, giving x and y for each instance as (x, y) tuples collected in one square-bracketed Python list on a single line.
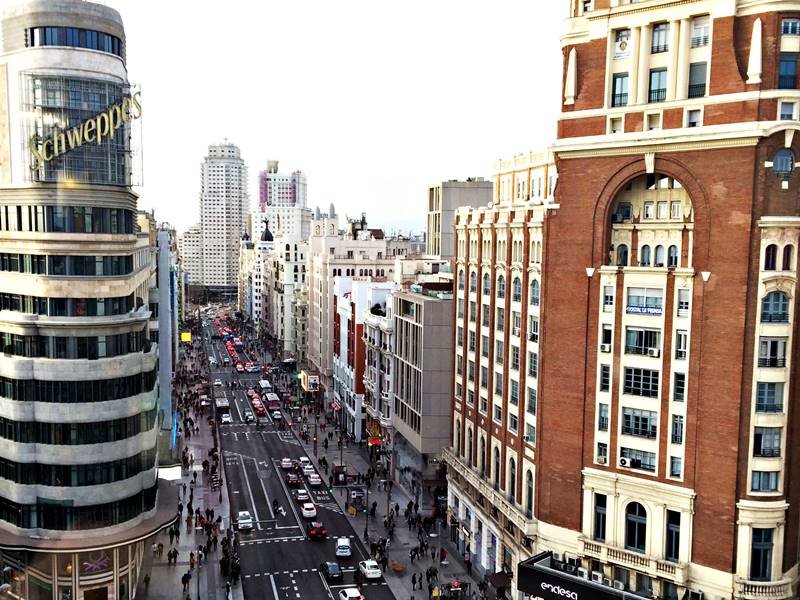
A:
[(645, 38), (633, 66), (674, 56), (682, 60)]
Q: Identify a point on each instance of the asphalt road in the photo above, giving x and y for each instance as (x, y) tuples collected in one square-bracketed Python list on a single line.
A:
[(278, 559)]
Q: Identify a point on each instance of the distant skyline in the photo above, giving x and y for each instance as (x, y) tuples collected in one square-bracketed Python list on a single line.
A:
[(372, 101)]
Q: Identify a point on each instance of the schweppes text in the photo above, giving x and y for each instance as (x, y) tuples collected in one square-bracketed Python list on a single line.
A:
[(102, 126)]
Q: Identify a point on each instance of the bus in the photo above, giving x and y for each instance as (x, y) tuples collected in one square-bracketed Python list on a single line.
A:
[(272, 400), (266, 386), (222, 406)]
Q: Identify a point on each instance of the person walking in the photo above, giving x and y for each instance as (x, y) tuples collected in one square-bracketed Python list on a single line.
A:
[(413, 580)]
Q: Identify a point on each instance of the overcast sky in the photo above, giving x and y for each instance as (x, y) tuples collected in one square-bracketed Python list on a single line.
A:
[(372, 100)]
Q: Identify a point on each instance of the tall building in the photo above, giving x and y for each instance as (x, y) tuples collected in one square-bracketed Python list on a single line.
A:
[(190, 248), (443, 200), (283, 202), (285, 270), (79, 490), (224, 207)]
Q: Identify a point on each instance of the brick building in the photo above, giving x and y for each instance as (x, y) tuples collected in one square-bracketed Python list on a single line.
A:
[(663, 459)]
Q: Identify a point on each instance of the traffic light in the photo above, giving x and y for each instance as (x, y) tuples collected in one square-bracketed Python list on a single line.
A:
[(315, 438)]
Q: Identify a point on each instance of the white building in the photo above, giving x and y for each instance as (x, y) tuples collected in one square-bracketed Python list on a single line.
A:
[(283, 201), (285, 271), (443, 200), (223, 214), (190, 248)]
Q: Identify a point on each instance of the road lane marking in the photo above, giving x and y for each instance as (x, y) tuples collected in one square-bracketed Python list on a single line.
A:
[(250, 491), (274, 589)]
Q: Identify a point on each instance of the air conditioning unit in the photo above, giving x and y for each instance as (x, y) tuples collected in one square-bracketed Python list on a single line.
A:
[(601, 460), (605, 347), (624, 462), (695, 595), (597, 576), (526, 542), (583, 573), (606, 581), (653, 352), (618, 585), (558, 557)]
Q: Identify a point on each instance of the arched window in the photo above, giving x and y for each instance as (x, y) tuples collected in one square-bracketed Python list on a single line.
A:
[(770, 257), (473, 282), (659, 258), (487, 284), (535, 292), (635, 527), (461, 280), (622, 255), (788, 252), (672, 257), (775, 308), (469, 447), (458, 437), (482, 449), (496, 468), (512, 480), (516, 290), (501, 287), (529, 495), (645, 257)]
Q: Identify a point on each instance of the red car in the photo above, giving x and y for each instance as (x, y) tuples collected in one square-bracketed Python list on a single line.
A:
[(317, 531), (293, 480)]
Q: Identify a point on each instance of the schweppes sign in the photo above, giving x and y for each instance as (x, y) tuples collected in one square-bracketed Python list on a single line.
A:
[(92, 131)]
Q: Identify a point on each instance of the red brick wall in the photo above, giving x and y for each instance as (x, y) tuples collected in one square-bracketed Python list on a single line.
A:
[(591, 71), (634, 121), (672, 119), (579, 127)]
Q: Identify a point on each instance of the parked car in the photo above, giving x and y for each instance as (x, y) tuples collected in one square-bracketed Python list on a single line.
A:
[(343, 547), (317, 531), (331, 571), (309, 510), (244, 521), (369, 569)]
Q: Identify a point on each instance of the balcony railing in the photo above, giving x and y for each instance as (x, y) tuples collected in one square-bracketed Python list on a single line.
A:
[(769, 407), (787, 82), (659, 48), (699, 41), (651, 432), (758, 590), (767, 453), (697, 90), (771, 361), (654, 567), (602, 424), (658, 95), (619, 100), (774, 317)]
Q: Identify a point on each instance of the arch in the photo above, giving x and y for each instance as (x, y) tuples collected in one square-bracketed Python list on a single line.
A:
[(482, 449), (501, 287), (512, 479), (788, 256), (516, 289), (534, 292), (622, 255), (672, 257), (496, 468), (473, 282), (658, 259), (487, 284), (469, 446), (529, 494), (770, 257), (461, 279), (645, 256), (635, 527), (458, 437)]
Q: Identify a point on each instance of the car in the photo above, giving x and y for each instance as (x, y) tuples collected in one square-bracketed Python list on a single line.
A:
[(331, 571), (226, 419), (308, 470), (226, 360), (343, 547), (248, 366), (239, 368), (248, 416), (317, 531), (276, 415), (314, 480), (286, 463), (304, 460), (251, 392), (350, 594), (212, 361), (369, 569), (302, 495), (309, 510), (218, 383), (293, 480), (252, 369), (244, 520), (260, 410)]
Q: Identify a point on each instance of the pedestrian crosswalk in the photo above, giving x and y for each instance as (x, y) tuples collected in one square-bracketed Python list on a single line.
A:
[(297, 571)]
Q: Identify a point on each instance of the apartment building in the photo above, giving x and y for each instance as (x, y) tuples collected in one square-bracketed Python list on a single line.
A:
[(443, 200), (190, 249), (285, 268)]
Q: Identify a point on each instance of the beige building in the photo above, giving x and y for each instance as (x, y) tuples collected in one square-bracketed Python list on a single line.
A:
[(443, 200)]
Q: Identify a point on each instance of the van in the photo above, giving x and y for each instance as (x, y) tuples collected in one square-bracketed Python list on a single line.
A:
[(343, 547)]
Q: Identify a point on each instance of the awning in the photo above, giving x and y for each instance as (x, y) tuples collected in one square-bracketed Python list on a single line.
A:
[(500, 579)]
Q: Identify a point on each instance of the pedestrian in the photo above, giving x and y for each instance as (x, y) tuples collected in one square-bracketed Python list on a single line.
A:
[(171, 533), (433, 554), (146, 581), (155, 550), (413, 579)]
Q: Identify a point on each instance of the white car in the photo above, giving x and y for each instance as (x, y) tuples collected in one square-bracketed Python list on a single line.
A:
[(343, 547), (286, 463), (308, 470), (212, 361), (309, 510), (314, 480), (369, 569), (217, 383), (227, 419), (244, 520), (304, 460), (350, 594)]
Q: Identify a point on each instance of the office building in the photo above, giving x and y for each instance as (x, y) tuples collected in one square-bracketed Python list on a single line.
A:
[(443, 200), (190, 249), (79, 490), (283, 201)]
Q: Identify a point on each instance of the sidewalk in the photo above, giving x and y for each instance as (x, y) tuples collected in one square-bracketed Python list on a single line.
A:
[(165, 580), (404, 539)]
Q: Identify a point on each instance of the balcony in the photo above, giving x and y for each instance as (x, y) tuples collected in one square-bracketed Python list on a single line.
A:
[(658, 95), (769, 407), (787, 82), (760, 590), (619, 100), (654, 567), (771, 361), (697, 90), (775, 317), (767, 453), (698, 41), (659, 48)]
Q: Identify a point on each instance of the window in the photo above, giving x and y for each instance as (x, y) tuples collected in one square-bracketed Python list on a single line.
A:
[(771, 352), (683, 302), (605, 378), (487, 284), (619, 89), (641, 382), (764, 481), (533, 364), (761, 555), (697, 80), (533, 329), (534, 299), (531, 402), (461, 280), (471, 370), (677, 429), (499, 351), (769, 397), (472, 341), (659, 42), (679, 387), (635, 527), (588, 6), (787, 78), (649, 212), (599, 533), (644, 301), (460, 308), (515, 358), (602, 417), (790, 27), (672, 257), (642, 423), (786, 111), (473, 282), (788, 253), (653, 121), (498, 412), (500, 322), (673, 545), (775, 308), (529, 494), (485, 346), (642, 341), (513, 396), (608, 298), (639, 459), (770, 257), (485, 316), (459, 336), (767, 442), (516, 290), (622, 35), (484, 377), (530, 433), (622, 255), (605, 338), (615, 125), (675, 466), (658, 85), (501, 287), (602, 452), (700, 31), (473, 311), (511, 483)]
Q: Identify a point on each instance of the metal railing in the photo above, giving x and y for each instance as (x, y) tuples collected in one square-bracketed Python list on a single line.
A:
[(650, 432), (771, 361), (767, 452), (658, 95), (769, 407), (774, 317), (699, 41), (619, 100), (787, 82), (697, 90), (659, 48)]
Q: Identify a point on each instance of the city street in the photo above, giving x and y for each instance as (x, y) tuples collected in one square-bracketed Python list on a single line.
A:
[(278, 559)]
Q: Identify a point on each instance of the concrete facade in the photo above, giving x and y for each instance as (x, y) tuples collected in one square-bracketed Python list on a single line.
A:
[(443, 200)]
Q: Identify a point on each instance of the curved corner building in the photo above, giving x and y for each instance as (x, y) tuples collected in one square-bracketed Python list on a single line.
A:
[(79, 490)]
